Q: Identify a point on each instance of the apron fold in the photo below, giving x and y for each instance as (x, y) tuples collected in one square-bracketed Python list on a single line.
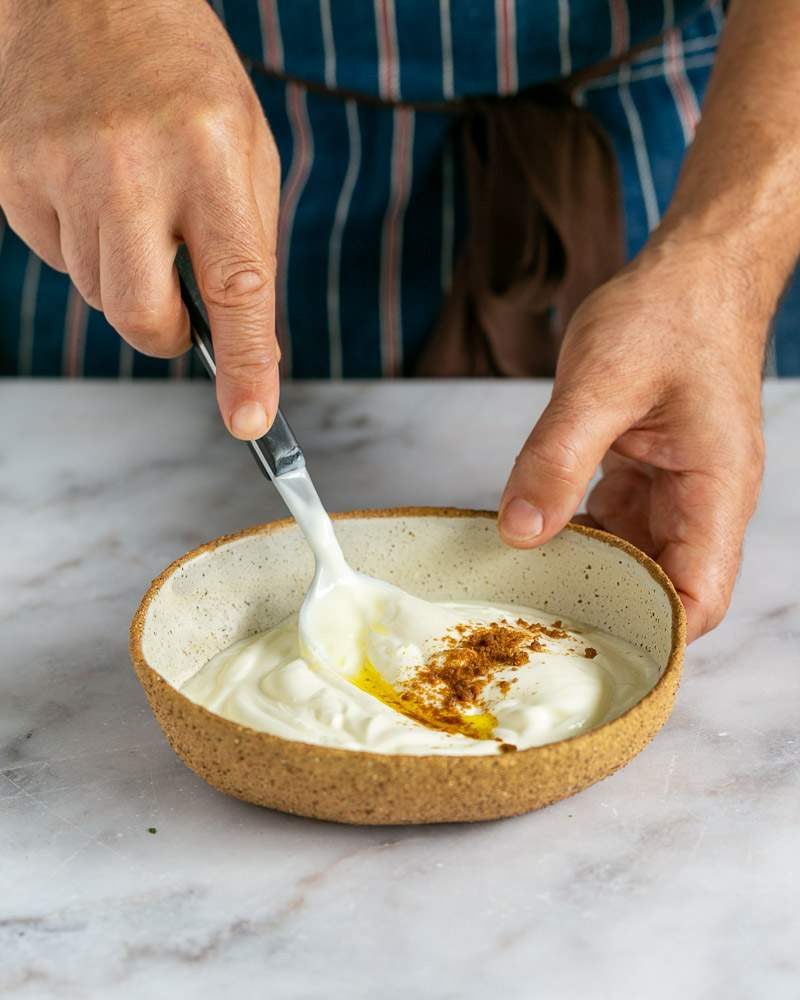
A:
[(546, 229)]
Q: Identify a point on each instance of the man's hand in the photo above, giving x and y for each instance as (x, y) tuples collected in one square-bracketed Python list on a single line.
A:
[(659, 379), (659, 376), (126, 128)]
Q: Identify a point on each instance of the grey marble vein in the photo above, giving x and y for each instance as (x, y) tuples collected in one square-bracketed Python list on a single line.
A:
[(679, 876)]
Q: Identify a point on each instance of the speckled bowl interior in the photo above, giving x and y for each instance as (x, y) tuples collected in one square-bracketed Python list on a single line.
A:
[(239, 585)]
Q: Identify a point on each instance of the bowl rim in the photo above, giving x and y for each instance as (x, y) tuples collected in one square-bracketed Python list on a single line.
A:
[(669, 675)]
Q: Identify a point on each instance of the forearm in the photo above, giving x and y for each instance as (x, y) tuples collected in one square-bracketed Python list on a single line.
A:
[(739, 191)]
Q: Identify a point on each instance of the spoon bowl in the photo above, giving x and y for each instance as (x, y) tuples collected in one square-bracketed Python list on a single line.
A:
[(346, 613)]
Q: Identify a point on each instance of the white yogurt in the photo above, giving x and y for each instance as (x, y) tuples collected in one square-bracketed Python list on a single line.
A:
[(265, 683), (304, 679)]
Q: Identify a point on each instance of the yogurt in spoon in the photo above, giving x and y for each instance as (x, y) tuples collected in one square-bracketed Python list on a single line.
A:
[(344, 609)]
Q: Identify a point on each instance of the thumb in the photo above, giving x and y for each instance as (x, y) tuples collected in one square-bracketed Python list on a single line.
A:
[(235, 272), (554, 468)]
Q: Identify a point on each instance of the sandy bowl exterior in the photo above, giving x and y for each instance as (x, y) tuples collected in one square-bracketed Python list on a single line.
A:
[(241, 584)]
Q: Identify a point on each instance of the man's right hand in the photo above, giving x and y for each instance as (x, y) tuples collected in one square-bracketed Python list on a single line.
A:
[(126, 129)]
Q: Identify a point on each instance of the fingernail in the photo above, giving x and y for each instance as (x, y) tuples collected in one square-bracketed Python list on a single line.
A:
[(249, 421), (521, 520)]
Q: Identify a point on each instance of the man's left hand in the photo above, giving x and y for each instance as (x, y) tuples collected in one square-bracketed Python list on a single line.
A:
[(659, 379)]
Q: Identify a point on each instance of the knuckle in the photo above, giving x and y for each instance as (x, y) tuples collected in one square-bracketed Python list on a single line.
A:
[(214, 126), (65, 167), (99, 165), (555, 458), (141, 324), (241, 279), (247, 361), (56, 161), (118, 161), (144, 328)]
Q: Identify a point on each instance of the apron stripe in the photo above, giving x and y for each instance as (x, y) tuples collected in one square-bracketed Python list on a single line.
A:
[(388, 62), (653, 59), (645, 73), (271, 34), (446, 31), (705, 43), (27, 313), (681, 89), (639, 148), (328, 42), (296, 179), (620, 27), (392, 242), (506, 27), (76, 321), (565, 55), (335, 245)]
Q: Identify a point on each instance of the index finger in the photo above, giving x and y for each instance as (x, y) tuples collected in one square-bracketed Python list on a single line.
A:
[(233, 255)]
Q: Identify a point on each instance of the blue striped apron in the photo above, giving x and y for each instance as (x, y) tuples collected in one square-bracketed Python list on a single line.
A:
[(373, 203)]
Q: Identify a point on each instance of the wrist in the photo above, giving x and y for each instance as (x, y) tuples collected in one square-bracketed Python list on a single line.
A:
[(715, 314), (721, 270), (751, 227)]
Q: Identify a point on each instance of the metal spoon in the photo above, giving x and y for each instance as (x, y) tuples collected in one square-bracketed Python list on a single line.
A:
[(341, 602)]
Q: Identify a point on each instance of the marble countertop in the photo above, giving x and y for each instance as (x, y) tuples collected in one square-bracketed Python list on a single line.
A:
[(677, 877)]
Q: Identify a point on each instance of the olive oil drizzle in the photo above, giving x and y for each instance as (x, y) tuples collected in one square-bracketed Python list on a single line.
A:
[(478, 725)]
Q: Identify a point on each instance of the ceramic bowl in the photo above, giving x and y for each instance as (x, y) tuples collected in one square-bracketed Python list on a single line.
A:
[(241, 584)]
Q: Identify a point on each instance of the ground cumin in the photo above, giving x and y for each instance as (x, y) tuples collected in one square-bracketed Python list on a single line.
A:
[(450, 686)]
